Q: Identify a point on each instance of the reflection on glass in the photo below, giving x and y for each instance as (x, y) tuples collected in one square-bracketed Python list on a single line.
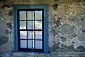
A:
[(30, 24), (33, 43), (22, 15), (38, 15), (29, 43), (23, 35), (30, 15), (38, 44), (23, 44), (22, 24), (30, 34), (38, 24), (38, 34)]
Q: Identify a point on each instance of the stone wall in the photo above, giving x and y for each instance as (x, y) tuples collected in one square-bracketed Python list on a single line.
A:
[(66, 31)]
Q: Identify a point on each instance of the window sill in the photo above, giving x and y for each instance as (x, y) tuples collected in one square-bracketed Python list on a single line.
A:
[(30, 52)]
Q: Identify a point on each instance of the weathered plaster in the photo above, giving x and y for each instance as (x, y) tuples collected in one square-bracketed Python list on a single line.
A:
[(66, 28)]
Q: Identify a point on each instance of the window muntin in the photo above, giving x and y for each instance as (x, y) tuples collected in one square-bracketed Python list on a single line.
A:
[(31, 30)]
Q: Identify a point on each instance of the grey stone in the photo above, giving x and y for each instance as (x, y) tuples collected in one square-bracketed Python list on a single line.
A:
[(10, 13), (5, 55), (58, 22), (7, 31), (3, 40), (74, 34), (55, 6), (81, 49), (3, 28), (83, 30), (81, 37), (9, 25), (63, 39), (66, 28)]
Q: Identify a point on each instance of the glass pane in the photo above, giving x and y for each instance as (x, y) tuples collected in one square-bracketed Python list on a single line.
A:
[(38, 44), (22, 24), (38, 15), (38, 24), (23, 43), (30, 15), (38, 34), (22, 15), (30, 24), (30, 34), (29, 43), (33, 43), (23, 34)]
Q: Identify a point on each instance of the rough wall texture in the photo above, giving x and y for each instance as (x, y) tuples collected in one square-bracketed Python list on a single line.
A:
[(66, 28)]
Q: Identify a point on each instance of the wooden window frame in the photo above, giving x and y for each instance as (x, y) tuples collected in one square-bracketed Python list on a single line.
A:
[(44, 7)]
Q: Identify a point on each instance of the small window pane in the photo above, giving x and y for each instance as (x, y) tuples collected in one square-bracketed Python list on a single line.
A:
[(23, 34), (22, 15), (29, 43), (30, 34), (30, 24), (23, 43), (22, 24), (38, 44), (38, 15), (33, 43), (38, 24), (38, 34), (30, 15)]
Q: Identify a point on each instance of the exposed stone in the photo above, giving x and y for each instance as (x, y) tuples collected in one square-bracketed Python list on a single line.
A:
[(54, 31), (10, 13), (9, 25), (81, 37), (58, 22), (83, 30), (68, 48), (5, 6), (63, 39), (55, 47), (7, 31), (3, 40), (3, 35), (55, 6), (66, 28), (71, 19), (63, 48), (82, 19), (35, 56), (74, 35), (81, 49), (5, 55)]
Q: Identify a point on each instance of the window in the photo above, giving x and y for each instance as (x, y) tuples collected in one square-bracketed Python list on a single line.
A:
[(31, 28)]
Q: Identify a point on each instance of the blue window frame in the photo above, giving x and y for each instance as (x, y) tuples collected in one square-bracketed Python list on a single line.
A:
[(30, 11)]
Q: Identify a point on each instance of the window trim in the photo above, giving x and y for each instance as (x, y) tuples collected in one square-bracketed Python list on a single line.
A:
[(33, 6)]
